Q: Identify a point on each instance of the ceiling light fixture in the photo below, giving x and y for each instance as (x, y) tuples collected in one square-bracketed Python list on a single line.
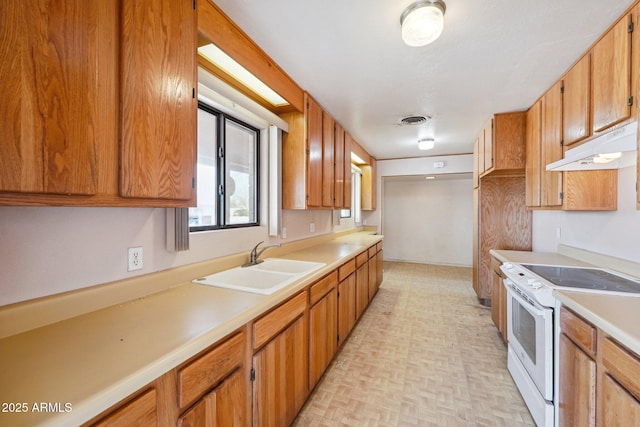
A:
[(422, 22), (426, 144)]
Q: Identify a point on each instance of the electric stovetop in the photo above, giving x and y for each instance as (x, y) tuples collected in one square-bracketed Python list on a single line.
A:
[(584, 278)]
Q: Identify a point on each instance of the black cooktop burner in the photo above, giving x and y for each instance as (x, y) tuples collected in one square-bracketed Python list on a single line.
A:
[(585, 278)]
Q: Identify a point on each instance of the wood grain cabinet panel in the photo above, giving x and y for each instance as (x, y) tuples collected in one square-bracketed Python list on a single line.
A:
[(159, 104), (619, 407), (265, 328), (533, 163), (499, 300), (346, 307), (48, 123), (328, 160), (488, 152), (340, 170), (380, 267), (224, 406), (577, 395), (611, 71), (139, 412), (362, 289), (576, 102), (323, 334), (551, 146)]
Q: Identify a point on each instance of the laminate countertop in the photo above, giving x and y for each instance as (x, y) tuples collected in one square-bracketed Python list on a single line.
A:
[(616, 315), (82, 366)]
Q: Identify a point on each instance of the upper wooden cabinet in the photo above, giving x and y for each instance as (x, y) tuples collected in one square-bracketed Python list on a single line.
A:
[(342, 170), (369, 186), (158, 98), (501, 144), (576, 98), (49, 84), (533, 164), (611, 76), (551, 146), (99, 103), (328, 160)]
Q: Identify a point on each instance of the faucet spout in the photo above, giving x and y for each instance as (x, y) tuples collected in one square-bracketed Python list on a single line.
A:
[(253, 256)]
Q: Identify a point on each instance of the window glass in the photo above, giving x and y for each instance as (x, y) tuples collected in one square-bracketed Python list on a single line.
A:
[(227, 172), (241, 173)]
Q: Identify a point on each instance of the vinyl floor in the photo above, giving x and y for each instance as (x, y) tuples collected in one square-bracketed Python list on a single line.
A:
[(425, 353)]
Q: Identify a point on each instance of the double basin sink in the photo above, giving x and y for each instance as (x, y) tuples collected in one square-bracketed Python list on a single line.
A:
[(265, 278)]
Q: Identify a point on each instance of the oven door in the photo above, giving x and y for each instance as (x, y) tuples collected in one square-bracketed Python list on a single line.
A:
[(530, 333)]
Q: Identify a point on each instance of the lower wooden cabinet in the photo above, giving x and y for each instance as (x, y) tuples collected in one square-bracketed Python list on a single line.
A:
[(323, 326), (362, 283), (499, 299), (346, 307), (281, 365), (599, 379), (141, 411)]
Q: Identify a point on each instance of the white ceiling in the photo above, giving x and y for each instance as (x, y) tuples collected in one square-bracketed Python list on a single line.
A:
[(493, 56)]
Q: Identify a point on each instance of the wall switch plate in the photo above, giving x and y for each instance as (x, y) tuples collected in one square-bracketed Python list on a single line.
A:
[(312, 227), (283, 233), (135, 259)]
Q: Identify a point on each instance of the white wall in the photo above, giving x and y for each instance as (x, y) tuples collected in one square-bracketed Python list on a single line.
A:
[(428, 221), (614, 233)]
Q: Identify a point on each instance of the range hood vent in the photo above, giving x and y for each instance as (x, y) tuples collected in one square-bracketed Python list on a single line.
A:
[(613, 150)]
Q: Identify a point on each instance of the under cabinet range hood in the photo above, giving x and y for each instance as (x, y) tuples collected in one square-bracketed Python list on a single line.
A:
[(613, 150)]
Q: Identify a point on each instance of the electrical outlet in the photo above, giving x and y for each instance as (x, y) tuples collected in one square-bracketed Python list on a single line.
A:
[(312, 227), (283, 233), (135, 259)]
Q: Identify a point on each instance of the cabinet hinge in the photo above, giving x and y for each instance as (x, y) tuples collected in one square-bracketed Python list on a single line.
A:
[(193, 92), (630, 27), (630, 101), (562, 143), (562, 89), (194, 4), (193, 182), (561, 195), (338, 338), (252, 374)]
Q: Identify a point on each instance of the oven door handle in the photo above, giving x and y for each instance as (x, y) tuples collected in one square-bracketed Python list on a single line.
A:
[(532, 307)]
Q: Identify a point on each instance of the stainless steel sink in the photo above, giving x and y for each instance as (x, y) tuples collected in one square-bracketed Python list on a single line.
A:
[(265, 278)]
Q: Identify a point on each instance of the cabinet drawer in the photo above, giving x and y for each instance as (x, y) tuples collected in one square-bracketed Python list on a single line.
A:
[(362, 259), (623, 365), (140, 411), (208, 369), (372, 251), (378, 246), (580, 331), (346, 269), (495, 266), (268, 326), (323, 287)]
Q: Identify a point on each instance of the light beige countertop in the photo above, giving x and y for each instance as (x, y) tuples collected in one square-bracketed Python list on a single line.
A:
[(618, 316), (546, 258), (94, 360)]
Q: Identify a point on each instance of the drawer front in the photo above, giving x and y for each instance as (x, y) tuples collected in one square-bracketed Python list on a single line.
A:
[(209, 369), (623, 365), (141, 411), (372, 251), (268, 326), (362, 259), (495, 266), (379, 246), (346, 269), (580, 331), (323, 287)]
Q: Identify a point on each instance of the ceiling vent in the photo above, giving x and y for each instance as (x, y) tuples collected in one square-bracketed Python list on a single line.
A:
[(414, 120)]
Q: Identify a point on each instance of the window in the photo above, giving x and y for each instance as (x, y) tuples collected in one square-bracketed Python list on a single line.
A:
[(227, 172)]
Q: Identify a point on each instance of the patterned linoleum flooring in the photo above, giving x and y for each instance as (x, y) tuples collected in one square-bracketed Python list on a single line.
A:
[(425, 353)]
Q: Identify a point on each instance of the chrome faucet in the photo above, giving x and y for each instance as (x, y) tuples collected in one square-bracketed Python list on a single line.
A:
[(255, 253)]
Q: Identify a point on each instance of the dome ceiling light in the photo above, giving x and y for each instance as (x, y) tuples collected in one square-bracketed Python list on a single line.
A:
[(426, 144), (422, 22)]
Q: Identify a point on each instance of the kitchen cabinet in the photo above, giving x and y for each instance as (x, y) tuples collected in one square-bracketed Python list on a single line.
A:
[(67, 149), (575, 190), (499, 299), (551, 146), (362, 283), (140, 411), (487, 146), (501, 144), (373, 272), (577, 371), (342, 152), (599, 379), (379, 265), (612, 97), (328, 160), (369, 186), (576, 98), (323, 325), (346, 300), (281, 363), (158, 99)]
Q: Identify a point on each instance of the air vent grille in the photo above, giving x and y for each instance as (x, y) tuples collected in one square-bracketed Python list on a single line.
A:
[(414, 120)]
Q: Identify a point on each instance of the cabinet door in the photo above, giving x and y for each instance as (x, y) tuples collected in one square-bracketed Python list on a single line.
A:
[(141, 411), (362, 289), (281, 376), (339, 170), (48, 119), (346, 307), (575, 118), (619, 407), (488, 145), (328, 160), (380, 267), (495, 300), (611, 70), (533, 165), (551, 146), (347, 170), (373, 280), (577, 394), (314, 153), (323, 335), (224, 406), (159, 106)]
